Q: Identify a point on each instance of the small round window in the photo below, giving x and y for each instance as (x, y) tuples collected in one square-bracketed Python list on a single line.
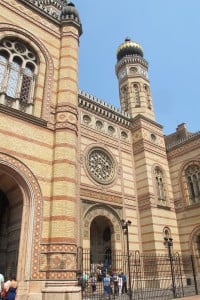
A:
[(111, 130), (86, 119), (124, 135), (99, 125)]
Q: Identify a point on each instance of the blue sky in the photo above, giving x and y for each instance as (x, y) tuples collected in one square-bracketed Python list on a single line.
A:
[(169, 32)]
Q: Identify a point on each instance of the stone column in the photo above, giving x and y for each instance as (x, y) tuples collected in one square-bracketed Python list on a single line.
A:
[(63, 217)]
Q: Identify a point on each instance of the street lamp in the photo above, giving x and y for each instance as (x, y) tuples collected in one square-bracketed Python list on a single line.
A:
[(168, 241), (125, 225)]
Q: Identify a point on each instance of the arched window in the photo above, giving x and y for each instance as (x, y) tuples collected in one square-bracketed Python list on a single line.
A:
[(160, 186), (136, 95), (147, 94), (124, 94), (18, 72), (192, 174)]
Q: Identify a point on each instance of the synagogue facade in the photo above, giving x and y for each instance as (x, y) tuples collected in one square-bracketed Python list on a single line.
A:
[(72, 167)]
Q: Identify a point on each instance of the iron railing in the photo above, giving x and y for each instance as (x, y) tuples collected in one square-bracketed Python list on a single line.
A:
[(152, 276)]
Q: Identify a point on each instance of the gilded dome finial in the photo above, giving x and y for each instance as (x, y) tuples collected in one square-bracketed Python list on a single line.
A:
[(129, 48)]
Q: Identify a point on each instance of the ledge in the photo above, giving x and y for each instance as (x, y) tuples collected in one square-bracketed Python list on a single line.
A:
[(22, 116)]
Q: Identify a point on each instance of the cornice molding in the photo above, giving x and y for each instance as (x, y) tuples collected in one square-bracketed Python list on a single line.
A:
[(186, 147), (22, 116), (101, 108)]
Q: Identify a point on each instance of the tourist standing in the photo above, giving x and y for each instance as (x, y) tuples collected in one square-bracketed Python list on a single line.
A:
[(94, 282), (115, 283), (106, 285), (120, 283), (124, 283)]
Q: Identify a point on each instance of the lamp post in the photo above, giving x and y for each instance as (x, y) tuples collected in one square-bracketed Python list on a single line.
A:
[(125, 225), (169, 243)]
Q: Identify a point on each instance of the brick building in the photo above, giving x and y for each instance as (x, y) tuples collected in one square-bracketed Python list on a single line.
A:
[(72, 166)]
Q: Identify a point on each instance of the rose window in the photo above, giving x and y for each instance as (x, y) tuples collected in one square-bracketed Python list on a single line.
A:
[(100, 165)]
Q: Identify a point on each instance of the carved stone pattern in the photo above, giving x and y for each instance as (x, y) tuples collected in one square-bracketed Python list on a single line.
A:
[(66, 117), (141, 146), (101, 196), (66, 125), (100, 166), (58, 248), (58, 275), (66, 108), (57, 261), (144, 201), (106, 129), (130, 202), (21, 9), (98, 137)]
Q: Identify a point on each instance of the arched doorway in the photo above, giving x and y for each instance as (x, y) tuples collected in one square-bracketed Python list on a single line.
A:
[(20, 226), (11, 205), (101, 231)]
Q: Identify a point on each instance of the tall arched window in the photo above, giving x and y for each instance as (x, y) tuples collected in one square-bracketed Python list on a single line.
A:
[(192, 174), (160, 186), (124, 93), (147, 94), (136, 95), (18, 72)]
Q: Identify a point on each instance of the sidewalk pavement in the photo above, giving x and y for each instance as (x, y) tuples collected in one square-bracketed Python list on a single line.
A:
[(197, 297)]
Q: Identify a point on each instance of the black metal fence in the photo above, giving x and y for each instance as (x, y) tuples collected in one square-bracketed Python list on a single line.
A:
[(149, 276)]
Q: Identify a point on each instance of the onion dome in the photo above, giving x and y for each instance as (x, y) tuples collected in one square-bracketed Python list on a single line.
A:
[(129, 48), (69, 11)]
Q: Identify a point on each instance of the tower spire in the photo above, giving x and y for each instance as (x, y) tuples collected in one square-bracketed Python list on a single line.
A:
[(132, 73)]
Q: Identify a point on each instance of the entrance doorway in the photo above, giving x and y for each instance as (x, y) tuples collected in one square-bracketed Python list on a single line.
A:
[(101, 231), (11, 205)]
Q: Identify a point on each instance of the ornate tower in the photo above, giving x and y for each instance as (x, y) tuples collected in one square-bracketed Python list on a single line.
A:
[(134, 87), (152, 178)]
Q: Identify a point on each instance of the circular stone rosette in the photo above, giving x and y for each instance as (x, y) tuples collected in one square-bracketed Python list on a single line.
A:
[(100, 165)]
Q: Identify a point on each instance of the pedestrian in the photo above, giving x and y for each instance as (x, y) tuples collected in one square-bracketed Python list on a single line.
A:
[(106, 286), (85, 281), (94, 282), (124, 283), (115, 283), (120, 283), (10, 287), (1, 285)]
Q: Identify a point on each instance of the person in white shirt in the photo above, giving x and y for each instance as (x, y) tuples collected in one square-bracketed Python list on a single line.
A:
[(120, 283), (1, 284)]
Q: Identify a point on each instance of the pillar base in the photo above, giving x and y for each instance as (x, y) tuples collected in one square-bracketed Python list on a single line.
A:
[(62, 290)]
